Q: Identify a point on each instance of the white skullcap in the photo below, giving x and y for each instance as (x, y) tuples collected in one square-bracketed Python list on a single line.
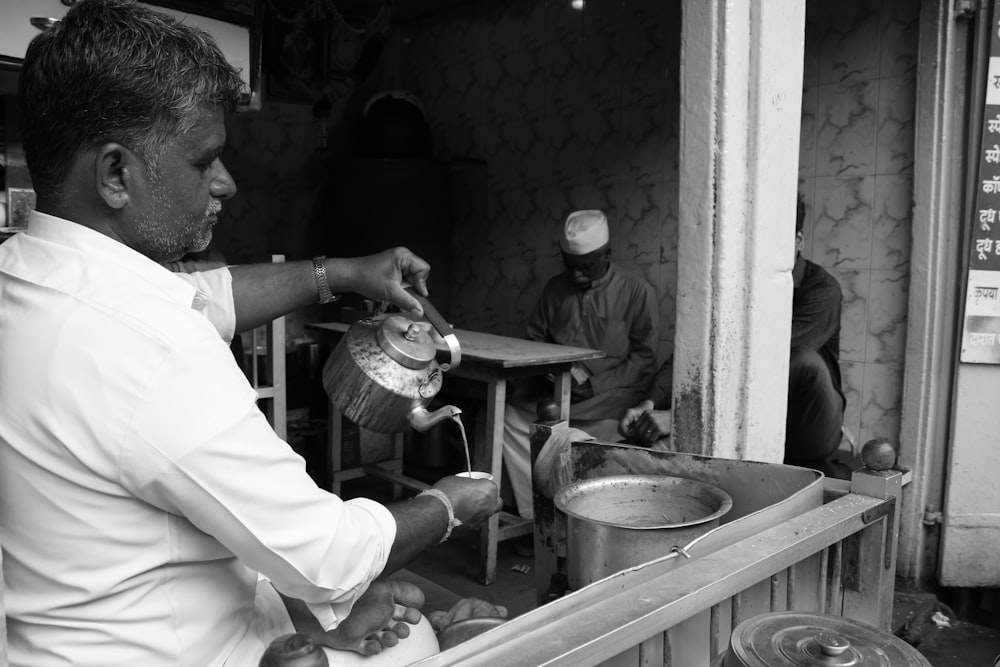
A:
[(585, 231)]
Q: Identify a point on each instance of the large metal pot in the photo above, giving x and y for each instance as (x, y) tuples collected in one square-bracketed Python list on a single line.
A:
[(383, 372), (789, 638), (617, 522)]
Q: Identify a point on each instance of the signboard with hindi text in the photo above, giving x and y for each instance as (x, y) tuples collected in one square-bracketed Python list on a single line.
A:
[(981, 330)]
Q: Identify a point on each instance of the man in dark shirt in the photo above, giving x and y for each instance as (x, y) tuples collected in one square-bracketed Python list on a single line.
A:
[(815, 399)]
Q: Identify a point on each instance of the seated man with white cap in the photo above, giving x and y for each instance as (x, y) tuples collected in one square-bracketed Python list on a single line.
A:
[(594, 304)]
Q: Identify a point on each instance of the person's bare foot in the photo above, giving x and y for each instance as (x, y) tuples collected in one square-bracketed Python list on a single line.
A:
[(378, 619)]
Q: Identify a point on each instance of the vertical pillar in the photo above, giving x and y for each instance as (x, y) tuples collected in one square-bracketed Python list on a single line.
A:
[(945, 104), (3, 619), (741, 78)]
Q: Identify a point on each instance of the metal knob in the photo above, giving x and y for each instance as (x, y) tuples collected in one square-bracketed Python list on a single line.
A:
[(412, 332), (831, 644), (547, 410), (878, 454)]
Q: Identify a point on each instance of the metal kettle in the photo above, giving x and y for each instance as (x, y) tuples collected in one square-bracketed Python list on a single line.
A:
[(383, 372)]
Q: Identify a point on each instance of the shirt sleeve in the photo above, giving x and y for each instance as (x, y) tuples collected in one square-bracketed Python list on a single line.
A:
[(200, 449), (639, 364), (217, 285), (537, 327), (815, 315), (661, 392)]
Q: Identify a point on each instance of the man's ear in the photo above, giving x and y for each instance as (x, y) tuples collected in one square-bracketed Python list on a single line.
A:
[(114, 165)]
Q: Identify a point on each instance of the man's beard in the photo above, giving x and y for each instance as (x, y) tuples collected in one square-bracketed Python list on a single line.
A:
[(165, 242)]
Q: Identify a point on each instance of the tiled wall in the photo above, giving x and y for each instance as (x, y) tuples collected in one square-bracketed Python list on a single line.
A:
[(856, 176), (570, 110), (272, 155), (578, 110)]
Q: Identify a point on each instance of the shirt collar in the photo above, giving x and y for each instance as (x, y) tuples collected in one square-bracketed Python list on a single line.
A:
[(105, 251), (605, 279)]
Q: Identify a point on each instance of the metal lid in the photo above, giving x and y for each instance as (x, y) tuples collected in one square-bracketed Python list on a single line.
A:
[(795, 638), (407, 342)]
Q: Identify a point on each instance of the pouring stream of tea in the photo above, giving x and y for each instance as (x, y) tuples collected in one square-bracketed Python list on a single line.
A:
[(465, 443)]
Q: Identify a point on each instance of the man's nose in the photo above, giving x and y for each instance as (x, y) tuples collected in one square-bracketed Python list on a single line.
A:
[(223, 185)]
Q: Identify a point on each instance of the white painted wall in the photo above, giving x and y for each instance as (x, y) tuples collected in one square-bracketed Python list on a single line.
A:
[(970, 550), (741, 77)]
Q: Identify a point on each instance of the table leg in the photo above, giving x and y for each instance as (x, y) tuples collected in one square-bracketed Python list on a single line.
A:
[(336, 472), (546, 557), (563, 385), (397, 463), (489, 456), (394, 465), (336, 431)]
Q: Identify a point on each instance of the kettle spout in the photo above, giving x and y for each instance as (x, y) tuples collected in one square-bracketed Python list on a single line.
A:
[(422, 419)]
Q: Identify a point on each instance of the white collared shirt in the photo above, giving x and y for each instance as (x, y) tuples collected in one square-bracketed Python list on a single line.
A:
[(141, 489)]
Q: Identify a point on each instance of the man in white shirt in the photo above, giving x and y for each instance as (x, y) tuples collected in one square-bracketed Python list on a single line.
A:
[(144, 499)]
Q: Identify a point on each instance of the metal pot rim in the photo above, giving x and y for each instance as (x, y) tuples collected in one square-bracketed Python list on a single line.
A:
[(571, 490)]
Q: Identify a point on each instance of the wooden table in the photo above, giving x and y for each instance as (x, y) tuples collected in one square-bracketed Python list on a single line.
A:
[(493, 360)]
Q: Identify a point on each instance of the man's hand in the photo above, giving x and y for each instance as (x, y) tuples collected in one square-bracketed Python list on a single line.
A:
[(626, 427), (473, 500), (581, 391), (379, 619), (382, 277), (418, 521), (465, 608), (644, 425)]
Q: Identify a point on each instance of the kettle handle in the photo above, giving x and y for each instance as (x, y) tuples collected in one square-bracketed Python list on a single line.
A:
[(442, 327)]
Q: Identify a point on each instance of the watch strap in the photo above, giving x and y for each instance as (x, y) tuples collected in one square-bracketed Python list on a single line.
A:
[(322, 284)]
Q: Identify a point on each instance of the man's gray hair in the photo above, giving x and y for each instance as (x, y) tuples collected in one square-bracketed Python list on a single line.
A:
[(114, 71)]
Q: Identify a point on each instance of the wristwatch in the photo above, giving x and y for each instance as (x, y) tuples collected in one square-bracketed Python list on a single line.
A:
[(322, 284)]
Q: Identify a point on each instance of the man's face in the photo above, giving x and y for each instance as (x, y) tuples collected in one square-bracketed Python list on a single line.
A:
[(585, 269), (177, 201), (798, 246)]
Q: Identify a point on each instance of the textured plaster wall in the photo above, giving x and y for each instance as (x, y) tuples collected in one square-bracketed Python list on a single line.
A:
[(580, 109), (856, 176), (570, 110)]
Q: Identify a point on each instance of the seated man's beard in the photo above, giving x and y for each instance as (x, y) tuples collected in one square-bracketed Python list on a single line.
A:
[(583, 275)]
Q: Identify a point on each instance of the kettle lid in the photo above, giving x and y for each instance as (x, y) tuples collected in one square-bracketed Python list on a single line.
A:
[(789, 638), (406, 342)]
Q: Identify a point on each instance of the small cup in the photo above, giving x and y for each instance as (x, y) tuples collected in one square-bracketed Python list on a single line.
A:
[(475, 474)]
